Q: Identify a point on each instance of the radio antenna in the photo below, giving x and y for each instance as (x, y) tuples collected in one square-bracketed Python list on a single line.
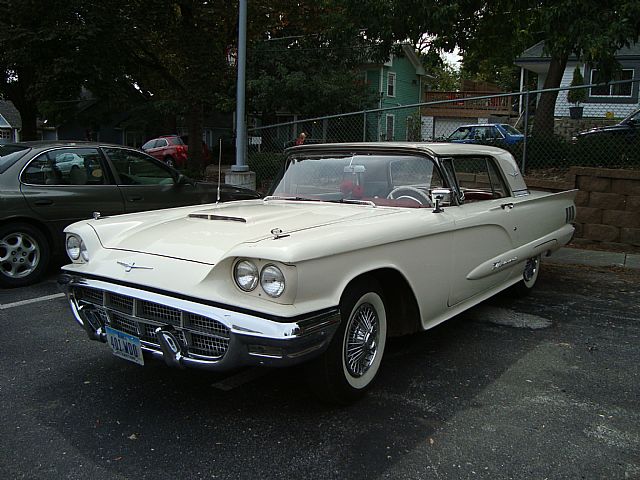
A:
[(219, 167)]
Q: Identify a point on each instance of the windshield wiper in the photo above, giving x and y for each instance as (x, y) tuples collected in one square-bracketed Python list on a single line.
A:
[(299, 199), (353, 200)]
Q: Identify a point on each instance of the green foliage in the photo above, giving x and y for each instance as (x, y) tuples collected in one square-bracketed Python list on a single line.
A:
[(577, 95)]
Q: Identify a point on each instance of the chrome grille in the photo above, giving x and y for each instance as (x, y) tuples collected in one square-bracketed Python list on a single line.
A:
[(203, 336), (205, 324), (120, 302), (124, 324), (208, 346), (160, 313)]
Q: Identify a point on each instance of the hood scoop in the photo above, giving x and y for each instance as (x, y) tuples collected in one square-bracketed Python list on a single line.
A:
[(224, 218)]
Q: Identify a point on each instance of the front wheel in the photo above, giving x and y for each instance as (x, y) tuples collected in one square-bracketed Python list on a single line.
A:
[(24, 255), (168, 160), (348, 367)]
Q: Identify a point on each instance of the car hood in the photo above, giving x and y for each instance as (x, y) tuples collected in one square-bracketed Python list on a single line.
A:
[(205, 233), (609, 128)]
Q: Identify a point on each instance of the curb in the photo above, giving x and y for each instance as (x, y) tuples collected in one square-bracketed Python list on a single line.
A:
[(594, 258)]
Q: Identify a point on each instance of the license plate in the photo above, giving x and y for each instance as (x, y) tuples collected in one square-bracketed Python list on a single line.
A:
[(125, 346)]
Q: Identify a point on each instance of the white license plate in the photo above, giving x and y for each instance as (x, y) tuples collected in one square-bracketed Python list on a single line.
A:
[(125, 346)]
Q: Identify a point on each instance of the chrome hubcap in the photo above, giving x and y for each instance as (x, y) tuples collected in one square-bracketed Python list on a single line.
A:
[(19, 255), (362, 340), (530, 269)]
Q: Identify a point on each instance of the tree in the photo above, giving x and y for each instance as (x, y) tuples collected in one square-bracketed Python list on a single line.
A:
[(38, 59)]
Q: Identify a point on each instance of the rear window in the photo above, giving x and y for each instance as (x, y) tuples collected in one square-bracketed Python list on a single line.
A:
[(10, 154), (175, 141)]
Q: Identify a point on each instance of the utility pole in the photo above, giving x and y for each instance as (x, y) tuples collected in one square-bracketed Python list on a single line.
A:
[(241, 126)]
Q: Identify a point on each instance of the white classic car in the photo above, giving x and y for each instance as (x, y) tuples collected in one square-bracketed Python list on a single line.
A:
[(355, 243)]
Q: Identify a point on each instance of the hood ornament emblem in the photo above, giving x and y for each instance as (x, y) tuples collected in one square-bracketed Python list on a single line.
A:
[(130, 266), (278, 233)]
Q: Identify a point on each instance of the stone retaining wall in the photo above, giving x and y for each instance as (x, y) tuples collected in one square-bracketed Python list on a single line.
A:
[(608, 203)]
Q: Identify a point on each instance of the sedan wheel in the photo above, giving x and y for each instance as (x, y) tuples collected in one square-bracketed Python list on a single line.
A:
[(24, 255), (350, 364)]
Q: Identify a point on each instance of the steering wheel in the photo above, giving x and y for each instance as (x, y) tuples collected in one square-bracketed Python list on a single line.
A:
[(411, 193)]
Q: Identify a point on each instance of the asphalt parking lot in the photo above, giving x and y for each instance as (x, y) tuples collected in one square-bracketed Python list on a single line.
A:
[(546, 387)]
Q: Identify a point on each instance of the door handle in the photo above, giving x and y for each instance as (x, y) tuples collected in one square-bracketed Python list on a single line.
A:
[(43, 202), (504, 206), (135, 198)]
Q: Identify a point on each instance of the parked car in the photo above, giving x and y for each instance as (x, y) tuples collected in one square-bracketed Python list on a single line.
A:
[(48, 185), (486, 133), (355, 243), (169, 149), (627, 129), (206, 153)]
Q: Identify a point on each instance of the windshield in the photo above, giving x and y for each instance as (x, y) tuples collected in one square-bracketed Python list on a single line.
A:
[(460, 134), (366, 178), (10, 154), (510, 130)]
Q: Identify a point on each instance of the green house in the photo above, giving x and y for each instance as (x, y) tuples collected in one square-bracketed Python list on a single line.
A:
[(398, 82)]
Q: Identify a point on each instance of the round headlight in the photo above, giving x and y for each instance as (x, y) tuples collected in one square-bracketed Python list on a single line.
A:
[(245, 274), (73, 247), (272, 281)]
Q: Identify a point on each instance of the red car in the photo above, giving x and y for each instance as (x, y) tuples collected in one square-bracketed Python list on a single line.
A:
[(169, 149)]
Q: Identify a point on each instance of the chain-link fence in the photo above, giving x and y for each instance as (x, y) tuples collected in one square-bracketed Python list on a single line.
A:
[(603, 131)]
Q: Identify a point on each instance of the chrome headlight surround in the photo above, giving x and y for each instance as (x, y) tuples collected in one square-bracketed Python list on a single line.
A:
[(272, 280), (246, 275), (76, 249)]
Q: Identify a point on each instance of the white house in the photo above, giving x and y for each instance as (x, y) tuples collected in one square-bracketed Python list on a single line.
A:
[(603, 101), (10, 122)]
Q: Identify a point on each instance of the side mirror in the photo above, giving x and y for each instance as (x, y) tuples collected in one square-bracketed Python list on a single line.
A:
[(440, 196)]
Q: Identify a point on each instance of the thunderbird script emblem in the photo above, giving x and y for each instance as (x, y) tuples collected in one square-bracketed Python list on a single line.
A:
[(130, 266)]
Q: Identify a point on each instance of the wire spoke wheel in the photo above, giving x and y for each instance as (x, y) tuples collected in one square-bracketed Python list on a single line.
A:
[(362, 342)]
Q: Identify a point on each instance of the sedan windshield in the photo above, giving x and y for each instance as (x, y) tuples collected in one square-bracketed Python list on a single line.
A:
[(365, 178), (10, 154)]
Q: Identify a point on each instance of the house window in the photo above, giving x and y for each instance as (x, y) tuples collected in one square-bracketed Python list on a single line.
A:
[(391, 84), (616, 90), (389, 128), (5, 134)]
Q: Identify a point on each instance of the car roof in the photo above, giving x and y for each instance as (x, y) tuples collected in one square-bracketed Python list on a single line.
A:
[(432, 148), (43, 144)]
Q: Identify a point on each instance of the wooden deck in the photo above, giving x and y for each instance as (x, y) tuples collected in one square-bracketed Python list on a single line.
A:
[(458, 104)]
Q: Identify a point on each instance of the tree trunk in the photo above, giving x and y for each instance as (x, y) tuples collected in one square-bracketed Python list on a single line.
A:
[(194, 125), (29, 117), (544, 120)]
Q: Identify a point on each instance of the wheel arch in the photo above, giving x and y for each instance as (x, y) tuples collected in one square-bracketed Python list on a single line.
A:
[(403, 313), (41, 226)]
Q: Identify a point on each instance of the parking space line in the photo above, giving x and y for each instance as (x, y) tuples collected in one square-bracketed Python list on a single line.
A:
[(30, 301)]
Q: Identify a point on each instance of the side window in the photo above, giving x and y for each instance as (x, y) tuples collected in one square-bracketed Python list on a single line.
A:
[(479, 179), (135, 168), (149, 144), (415, 172), (69, 166), (161, 142)]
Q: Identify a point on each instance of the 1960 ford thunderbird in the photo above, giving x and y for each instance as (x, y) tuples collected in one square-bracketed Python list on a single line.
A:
[(355, 243)]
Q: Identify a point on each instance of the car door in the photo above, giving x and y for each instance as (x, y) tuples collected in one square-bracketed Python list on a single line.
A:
[(147, 184), (64, 185), (485, 228)]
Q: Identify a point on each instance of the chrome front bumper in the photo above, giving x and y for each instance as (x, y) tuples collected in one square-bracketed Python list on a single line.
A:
[(187, 333)]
